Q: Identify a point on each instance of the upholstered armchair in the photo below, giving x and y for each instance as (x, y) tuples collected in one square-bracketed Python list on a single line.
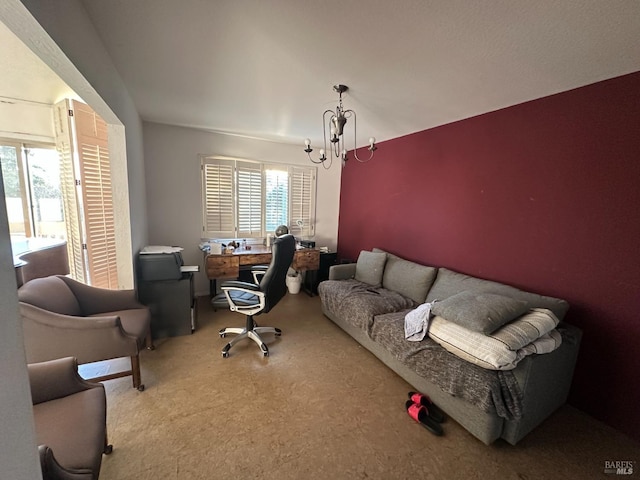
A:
[(70, 416), (65, 318)]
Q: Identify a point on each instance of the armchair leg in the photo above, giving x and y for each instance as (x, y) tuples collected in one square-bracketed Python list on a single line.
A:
[(108, 448), (148, 341), (135, 371)]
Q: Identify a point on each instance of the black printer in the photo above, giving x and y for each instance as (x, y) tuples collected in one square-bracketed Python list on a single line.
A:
[(160, 263)]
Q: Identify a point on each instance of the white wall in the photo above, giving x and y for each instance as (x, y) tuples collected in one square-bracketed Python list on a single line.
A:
[(174, 185), (67, 23), (26, 121)]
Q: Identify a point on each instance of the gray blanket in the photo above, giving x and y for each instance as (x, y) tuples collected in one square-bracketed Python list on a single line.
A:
[(381, 313)]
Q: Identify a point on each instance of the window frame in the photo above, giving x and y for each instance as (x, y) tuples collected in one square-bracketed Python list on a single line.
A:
[(232, 230)]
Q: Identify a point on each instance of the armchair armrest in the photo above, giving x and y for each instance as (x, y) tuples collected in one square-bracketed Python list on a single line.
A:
[(49, 335), (52, 470), (56, 379)]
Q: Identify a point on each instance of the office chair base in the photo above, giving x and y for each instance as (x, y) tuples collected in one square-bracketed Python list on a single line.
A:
[(251, 333)]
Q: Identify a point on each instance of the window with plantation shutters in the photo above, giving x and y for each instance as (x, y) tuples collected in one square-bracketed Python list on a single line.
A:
[(245, 199)]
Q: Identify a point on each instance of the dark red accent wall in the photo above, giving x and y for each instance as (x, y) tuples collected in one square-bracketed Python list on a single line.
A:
[(544, 196)]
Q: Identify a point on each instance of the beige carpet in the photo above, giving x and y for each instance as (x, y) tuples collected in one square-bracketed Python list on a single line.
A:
[(319, 407)]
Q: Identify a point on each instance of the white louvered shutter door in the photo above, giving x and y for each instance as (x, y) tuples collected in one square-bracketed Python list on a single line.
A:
[(69, 189), (97, 196)]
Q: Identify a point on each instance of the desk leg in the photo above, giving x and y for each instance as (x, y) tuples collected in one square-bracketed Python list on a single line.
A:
[(310, 277), (212, 287)]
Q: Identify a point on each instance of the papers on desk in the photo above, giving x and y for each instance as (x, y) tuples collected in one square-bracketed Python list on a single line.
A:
[(150, 249), (190, 268)]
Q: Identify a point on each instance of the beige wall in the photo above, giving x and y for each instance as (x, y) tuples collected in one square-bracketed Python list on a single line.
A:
[(174, 188)]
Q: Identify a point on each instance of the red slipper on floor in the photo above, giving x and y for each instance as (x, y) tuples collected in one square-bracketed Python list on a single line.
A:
[(420, 415), (424, 400)]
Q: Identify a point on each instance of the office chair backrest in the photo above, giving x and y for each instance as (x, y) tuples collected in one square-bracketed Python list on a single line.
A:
[(273, 283)]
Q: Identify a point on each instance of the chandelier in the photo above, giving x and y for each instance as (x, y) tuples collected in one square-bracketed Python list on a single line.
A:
[(335, 125)]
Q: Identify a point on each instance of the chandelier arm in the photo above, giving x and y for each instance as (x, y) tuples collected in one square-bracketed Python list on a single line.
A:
[(355, 137)]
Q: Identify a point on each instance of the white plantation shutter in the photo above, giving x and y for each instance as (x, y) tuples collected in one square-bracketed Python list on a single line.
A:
[(302, 201), (69, 190), (276, 197), (97, 196), (218, 198), (249, 199)]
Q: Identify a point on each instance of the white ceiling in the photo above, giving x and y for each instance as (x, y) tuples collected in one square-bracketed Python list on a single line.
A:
[(265, 68)]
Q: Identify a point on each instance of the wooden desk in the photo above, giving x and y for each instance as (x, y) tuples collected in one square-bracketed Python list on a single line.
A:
[(229, 265)]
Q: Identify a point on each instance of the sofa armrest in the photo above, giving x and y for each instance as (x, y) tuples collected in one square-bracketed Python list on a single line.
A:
[(342, 272), (56, 379), (95, 300), (52, 470)]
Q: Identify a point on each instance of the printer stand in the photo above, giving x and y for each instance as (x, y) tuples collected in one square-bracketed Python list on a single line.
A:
[(172, 304)]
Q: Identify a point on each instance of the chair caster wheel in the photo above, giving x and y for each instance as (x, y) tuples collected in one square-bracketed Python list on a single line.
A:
[(225, 354), (266, 354), (222, 335), (108, 450), (141, 388)]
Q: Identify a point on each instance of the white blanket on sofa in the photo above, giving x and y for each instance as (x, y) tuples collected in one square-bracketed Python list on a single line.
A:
[(416, 323)]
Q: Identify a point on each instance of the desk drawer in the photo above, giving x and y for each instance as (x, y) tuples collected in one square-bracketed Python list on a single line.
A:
[(306, 260), (255, 259), (222, 266)]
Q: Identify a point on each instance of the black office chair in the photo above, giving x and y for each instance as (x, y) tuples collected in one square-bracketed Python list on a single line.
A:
[(259, 297)]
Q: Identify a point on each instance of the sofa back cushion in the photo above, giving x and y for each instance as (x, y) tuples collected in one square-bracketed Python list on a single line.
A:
[(449, 283), (408, 278), (50, 293), (370, 267)]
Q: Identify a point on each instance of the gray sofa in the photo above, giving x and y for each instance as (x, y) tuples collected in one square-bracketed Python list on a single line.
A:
[(370, 299)]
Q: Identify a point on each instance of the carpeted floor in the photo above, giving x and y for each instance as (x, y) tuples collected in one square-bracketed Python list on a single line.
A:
[(319, 407)]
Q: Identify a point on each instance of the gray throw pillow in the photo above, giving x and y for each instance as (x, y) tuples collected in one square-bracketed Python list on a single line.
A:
[(370, 267), (480, 312)]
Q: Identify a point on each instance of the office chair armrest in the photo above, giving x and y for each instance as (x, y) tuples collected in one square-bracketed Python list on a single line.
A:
[(237, 285), (258, 272)]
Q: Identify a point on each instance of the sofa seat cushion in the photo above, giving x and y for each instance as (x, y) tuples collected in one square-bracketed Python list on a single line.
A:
[(134, 321), (449, 283), (358, 302), (495, 392), (74, 428)]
